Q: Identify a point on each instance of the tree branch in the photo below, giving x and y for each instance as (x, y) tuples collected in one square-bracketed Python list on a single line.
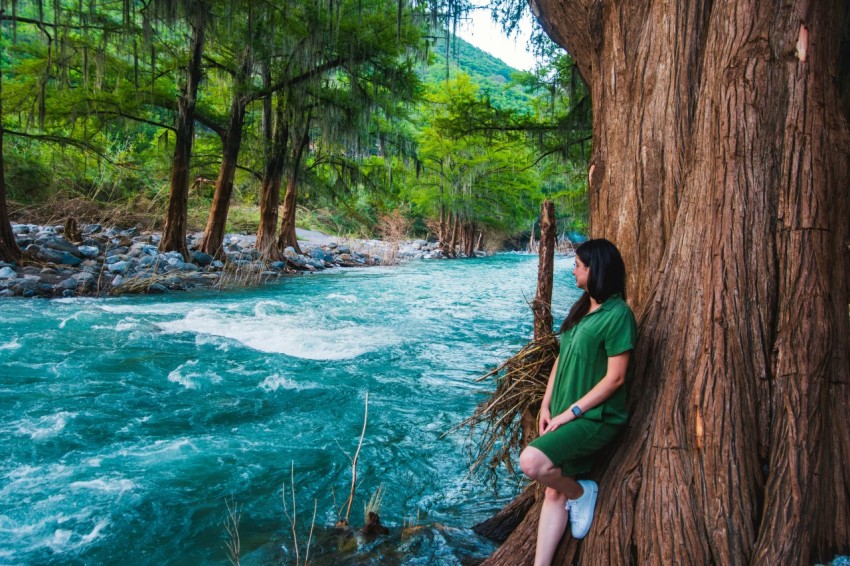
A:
[(62, 140)]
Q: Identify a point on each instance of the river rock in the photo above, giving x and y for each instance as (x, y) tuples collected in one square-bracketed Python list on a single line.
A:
[(60, 245), (120, 250), (146, 261), (157, 289), (332, 245), (69, 283), (344, 249), (90, 229), (202, 259), (53, 256), (117, 280), (7, 273), (318, 253), (119, 267), (84, 277), (278, 265), (89, 252), (7, 293)]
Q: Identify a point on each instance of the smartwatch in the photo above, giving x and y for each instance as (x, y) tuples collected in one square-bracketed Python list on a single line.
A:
[(576, 410)]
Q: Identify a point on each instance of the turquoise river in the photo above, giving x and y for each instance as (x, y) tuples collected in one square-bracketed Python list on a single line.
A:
[(130, 423)]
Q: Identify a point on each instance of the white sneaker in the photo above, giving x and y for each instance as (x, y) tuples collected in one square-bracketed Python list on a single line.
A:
[(581, 509)]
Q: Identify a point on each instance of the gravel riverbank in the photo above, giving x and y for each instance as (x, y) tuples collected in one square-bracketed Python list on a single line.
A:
[(115, 261)]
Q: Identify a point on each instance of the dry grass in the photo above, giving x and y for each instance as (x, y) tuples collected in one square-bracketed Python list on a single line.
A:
[(393, 228), (139, 283), (235, 276), (231, 525), (497, 424), (140, 211), (293, 520)]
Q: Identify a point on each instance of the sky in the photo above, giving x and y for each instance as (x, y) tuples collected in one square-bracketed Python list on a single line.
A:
[(482, 32)]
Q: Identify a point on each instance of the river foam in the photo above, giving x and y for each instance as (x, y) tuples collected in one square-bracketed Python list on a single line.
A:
[(273, 329)]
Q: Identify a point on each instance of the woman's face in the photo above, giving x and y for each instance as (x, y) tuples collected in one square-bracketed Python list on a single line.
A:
[(581, 272)]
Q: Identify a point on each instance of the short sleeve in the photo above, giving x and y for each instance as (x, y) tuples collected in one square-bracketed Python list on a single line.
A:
[(621, 333)]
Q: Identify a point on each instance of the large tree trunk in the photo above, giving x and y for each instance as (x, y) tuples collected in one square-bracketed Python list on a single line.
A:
[(213, 238), (720, 169), (542, 305), (270, 187), (176, 217), (287, 224), (9, 250), (453, 238)]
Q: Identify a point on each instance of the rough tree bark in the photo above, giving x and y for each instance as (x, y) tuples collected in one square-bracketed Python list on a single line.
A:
[(469, 239), (452, 252), (176, 217), (270, 187), (542, 304), (213, 237), (287, 224), (9, 250), (720, 167)]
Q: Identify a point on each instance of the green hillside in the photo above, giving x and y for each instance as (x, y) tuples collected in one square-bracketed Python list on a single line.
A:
[(492, 75)]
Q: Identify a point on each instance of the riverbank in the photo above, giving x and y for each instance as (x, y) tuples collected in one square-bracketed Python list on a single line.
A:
[(114, 261)]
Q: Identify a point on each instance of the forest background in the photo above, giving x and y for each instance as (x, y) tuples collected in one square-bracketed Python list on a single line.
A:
[(345, 117)]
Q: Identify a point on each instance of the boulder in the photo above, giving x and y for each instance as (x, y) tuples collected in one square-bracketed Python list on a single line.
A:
[(146, 261), (120, 250), (7, 273), (119, 267), (202, 259), (60, 245), (69, 283), (88, 252), (84, 277)]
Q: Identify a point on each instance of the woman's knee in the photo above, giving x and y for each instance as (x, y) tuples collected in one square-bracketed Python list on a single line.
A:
[(534, 463)]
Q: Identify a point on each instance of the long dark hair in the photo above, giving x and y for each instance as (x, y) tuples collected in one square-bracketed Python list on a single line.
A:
[(607, 277)]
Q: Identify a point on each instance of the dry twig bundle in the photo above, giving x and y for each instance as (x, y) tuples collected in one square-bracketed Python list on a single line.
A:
[(498, 422)]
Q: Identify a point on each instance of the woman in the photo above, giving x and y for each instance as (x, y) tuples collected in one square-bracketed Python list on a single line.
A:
[(585, 403)]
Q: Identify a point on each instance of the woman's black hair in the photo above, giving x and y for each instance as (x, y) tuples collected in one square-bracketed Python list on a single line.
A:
[(607, 277)]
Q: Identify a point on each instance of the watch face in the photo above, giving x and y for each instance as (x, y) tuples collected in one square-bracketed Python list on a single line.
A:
[(576, 411)]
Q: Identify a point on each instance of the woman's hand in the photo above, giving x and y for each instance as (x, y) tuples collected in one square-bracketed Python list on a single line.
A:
[(561, 419), (545, 418)]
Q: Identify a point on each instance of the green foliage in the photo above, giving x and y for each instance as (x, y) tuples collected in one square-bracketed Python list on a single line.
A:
[(493, 76), (91, 111)]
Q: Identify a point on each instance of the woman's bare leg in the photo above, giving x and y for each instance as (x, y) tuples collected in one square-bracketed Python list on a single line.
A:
[(553, 521), (553, 514)]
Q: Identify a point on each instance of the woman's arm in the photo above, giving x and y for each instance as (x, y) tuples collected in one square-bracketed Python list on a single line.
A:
[(613, 380), (545, 415)]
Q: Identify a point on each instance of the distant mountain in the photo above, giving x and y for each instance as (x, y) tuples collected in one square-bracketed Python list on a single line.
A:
[(491, 74)]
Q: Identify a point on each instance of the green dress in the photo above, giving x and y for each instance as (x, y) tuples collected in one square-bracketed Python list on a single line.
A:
[(583, 362)]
